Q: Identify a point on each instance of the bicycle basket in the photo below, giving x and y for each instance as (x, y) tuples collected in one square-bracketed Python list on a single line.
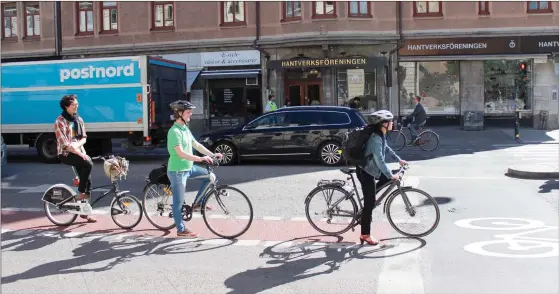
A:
[(159, 176), (116, 168)]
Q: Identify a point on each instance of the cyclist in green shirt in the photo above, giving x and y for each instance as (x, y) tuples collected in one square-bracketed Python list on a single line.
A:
[(180, 166)]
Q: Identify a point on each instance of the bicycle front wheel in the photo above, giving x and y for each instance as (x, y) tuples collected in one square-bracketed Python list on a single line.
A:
[(412, 209), (428, 141), (396, 140), (335, 207), (227, 212), (126, 211)]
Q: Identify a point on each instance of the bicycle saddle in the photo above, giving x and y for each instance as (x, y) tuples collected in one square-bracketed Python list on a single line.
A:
[(348, 171)]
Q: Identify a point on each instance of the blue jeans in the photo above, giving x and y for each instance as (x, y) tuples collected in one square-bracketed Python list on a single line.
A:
[(178, 184), (413, 132)]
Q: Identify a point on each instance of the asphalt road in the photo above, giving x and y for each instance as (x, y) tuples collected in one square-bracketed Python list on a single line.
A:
[(281, 253)]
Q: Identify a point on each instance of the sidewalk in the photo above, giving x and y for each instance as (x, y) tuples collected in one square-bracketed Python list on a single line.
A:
[(534, 136)]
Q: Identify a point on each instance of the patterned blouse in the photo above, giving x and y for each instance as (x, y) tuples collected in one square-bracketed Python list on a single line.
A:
[(66, 134)]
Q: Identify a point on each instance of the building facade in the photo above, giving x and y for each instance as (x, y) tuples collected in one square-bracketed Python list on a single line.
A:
[(490, 60)]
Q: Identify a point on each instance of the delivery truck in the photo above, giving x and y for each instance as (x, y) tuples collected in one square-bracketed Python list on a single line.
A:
[(119, 97)]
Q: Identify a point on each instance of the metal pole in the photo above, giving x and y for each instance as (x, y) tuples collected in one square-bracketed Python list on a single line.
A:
[(57, 29)]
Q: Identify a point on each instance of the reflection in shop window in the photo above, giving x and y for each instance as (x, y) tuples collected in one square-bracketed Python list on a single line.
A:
[(437, 82), (358, 83), (507, 86)]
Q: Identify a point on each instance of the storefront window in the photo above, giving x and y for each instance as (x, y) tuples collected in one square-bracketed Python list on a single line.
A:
[(436, 82), (359, 83), (507, 84)]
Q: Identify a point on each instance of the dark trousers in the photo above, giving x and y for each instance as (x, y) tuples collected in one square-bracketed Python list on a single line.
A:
[(83, 167), (368, 186)]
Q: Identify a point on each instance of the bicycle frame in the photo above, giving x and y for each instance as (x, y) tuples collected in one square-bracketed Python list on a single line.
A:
[(387, 193), (115, 189)]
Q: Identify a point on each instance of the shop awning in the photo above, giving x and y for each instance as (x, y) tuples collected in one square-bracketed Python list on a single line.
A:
[(191, 77), (230, 74)]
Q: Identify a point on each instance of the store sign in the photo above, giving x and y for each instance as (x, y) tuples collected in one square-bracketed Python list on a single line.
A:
[(230, 58), (347, 62), (475, 46)]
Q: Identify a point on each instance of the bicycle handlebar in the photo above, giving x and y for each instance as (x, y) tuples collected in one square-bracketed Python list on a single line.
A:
[(103, 157), (215, 162)]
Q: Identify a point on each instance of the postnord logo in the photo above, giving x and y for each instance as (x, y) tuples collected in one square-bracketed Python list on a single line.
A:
[(92, 72)]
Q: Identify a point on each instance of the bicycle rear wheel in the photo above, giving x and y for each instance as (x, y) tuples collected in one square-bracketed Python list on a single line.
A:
[(428, 141), (415, 200), (334, 205), (219, 204), (396, 140), (157, 206), (129, 206)]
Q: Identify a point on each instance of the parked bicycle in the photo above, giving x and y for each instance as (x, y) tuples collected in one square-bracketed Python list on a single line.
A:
[(63, 197), (158, 202), (427, 139), (352, 215)]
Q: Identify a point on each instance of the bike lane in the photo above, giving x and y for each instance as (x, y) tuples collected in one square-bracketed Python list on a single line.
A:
[(261, 232), (505, 206)]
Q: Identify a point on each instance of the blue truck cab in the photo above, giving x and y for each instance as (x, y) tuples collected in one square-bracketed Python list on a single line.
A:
[(119, 97)]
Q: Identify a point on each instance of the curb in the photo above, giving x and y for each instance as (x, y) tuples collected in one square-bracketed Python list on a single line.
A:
[(533, 172)]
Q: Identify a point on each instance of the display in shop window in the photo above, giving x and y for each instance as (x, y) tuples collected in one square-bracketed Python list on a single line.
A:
[(357, 89), (436, 82), (507, 86)]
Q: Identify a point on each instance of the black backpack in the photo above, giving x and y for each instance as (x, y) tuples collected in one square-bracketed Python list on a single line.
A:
[(159, 175), (353, 145)]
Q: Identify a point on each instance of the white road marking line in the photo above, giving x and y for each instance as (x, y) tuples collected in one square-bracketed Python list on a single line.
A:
[(246, 242), (272, 218), (392, 271), (22, 232), (217, 242), (73, 234), (299, 219)]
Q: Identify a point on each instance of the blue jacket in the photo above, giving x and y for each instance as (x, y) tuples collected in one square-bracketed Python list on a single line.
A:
[(376, 165)]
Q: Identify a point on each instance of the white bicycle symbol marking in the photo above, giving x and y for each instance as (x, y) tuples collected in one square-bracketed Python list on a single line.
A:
[(514, 240)]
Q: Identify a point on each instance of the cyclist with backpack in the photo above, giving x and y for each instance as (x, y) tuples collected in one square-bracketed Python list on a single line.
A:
[(368, 150)]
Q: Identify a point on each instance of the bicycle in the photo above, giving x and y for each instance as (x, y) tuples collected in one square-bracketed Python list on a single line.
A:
[(158, 182), (514, 240), (349, 193), (63, 197), (423, 137)]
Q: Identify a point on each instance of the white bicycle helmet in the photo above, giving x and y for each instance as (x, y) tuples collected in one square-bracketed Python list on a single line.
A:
[(380, 116)]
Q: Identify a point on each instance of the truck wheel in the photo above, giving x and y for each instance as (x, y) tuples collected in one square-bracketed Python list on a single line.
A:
[(46, 147)]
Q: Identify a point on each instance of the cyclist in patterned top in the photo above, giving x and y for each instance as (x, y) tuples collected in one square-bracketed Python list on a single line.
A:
[(69, 129), (180, 167)]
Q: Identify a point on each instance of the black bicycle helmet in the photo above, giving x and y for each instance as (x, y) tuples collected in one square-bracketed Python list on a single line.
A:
[(181, 105)]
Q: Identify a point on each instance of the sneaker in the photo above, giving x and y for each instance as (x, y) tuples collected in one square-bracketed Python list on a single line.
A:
[(187, 234)]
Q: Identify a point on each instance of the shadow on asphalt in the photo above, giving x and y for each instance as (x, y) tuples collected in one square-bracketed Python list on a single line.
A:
[(108, 246), (549, 186), (293, 263), (114, 247)]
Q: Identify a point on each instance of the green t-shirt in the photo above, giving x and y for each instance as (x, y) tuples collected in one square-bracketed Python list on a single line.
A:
[(179, 135)]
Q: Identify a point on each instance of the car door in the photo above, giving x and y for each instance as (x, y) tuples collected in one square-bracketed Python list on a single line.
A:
[(302, 130), (263, 136)]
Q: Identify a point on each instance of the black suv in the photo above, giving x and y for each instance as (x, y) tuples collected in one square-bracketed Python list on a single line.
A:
[(313, 132)]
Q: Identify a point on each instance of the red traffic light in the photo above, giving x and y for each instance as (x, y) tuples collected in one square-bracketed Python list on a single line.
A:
[(522, 66)]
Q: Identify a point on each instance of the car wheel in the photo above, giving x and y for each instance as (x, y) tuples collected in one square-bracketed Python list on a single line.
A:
[(228, 151), (329, 153)]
